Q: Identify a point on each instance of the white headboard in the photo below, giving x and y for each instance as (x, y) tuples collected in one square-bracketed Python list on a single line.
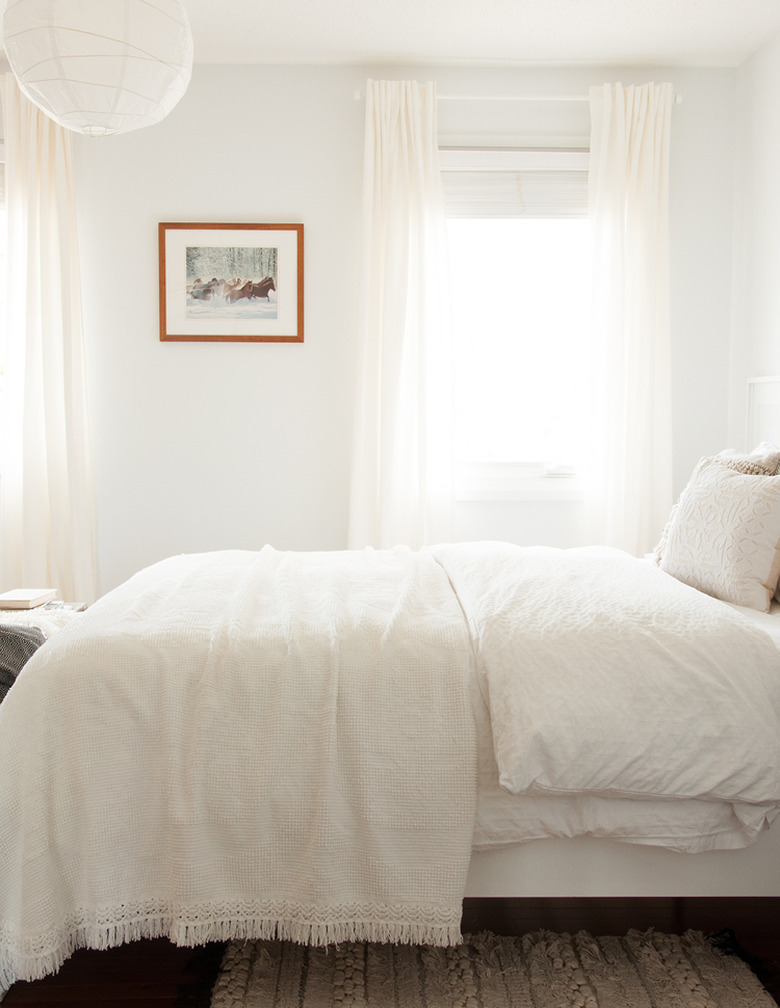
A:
[(763, 413)]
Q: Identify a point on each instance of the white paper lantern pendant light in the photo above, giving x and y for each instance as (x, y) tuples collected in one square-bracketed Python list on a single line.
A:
[(100, 66)]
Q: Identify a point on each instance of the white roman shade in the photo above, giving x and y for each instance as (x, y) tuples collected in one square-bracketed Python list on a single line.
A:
[(514, 183)]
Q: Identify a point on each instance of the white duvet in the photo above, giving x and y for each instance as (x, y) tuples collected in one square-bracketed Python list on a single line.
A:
[(606, 678), (254, 744)]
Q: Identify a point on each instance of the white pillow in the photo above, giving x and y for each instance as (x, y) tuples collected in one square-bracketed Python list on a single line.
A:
[(764, 460), (724, 536)]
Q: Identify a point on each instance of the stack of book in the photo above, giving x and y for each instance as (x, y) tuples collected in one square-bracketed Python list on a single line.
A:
[(26, 598)]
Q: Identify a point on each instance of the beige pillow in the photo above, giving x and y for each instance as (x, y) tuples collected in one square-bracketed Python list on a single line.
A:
[(764, 460), (724, 535)]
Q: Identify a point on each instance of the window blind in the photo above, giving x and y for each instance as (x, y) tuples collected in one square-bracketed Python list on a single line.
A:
[(501, 183)]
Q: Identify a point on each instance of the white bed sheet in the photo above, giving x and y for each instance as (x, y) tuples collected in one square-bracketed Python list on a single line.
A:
[(769, 622)]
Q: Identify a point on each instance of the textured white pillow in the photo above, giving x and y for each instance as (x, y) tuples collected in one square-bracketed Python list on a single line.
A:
[(764, 460), (724, 537)]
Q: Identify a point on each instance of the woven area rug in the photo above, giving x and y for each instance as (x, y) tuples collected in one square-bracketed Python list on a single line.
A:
[(540, 970)]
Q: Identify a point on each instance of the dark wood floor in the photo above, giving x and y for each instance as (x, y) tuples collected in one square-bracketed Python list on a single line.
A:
[(144, 974), (157, 974)]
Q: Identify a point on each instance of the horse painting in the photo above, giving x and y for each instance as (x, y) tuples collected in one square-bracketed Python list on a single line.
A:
[(263, 289)]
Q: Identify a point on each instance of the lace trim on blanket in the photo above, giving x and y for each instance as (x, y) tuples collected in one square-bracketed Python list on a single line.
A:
[(37, 956)]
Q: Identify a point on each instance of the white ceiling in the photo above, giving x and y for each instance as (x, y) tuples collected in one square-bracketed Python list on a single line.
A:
[(716, 33), (483, 32)]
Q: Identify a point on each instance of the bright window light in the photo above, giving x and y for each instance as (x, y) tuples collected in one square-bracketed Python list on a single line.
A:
[(520, 295)]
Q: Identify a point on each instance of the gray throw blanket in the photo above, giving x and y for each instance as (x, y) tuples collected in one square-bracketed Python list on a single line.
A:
[(17, 644)]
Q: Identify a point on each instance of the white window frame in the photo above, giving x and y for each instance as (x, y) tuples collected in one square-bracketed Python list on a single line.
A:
[(514, 481)]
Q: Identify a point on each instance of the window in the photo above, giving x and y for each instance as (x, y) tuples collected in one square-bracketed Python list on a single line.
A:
[(3, 317), (519, 239)]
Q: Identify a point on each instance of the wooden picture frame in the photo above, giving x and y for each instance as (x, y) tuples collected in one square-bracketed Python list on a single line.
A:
[(209, 291)]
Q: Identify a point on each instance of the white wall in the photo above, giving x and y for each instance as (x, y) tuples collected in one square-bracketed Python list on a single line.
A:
[(204, 446), (756, 316)]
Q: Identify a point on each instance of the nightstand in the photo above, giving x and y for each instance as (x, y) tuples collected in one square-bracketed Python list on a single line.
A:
[(50, 617)]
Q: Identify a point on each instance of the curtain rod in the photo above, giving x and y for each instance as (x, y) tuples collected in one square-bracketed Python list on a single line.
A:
[(527, 98), (520, 98), (498, 97)]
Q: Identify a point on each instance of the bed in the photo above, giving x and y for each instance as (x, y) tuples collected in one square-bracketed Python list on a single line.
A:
[(328, 746)]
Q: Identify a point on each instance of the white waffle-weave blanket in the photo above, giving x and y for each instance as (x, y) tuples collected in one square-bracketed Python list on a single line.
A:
[(240, 745)]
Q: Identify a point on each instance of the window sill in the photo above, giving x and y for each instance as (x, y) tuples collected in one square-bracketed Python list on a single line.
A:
[(514, 481)]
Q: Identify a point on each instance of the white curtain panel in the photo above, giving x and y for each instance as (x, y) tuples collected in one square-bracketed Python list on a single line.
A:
[(628, 495), (46, 505), (402, 484)]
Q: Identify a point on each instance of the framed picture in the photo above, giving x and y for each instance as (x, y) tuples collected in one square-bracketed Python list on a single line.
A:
[(231, 282)]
